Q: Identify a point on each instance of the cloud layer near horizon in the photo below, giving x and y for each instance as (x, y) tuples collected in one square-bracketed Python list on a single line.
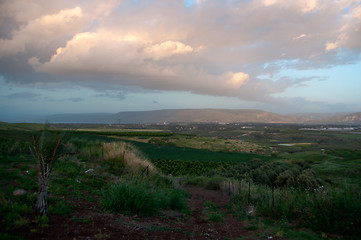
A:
[(213, 47)]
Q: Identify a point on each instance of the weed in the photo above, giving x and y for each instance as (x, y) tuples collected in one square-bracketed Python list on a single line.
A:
[(216, 217), (42, 221), (101, 235), (81, 220), (60, 208), (251, 228)]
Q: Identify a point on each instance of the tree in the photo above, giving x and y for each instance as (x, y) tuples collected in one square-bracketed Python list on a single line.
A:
[(46, 148)]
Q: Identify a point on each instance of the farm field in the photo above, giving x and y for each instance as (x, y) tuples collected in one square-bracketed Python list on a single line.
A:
[(195, 181)]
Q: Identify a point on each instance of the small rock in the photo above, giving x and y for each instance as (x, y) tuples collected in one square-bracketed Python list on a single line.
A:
[(89, 170), (19, 192)]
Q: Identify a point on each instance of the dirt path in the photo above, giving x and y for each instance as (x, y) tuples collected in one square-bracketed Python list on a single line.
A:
[(209, 218), (202, 203)]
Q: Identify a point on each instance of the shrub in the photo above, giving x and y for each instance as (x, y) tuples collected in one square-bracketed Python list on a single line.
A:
[(331, 210), (142, 198)]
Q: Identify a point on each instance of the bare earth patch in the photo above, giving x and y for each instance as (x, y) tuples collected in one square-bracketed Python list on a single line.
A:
[(87, 222)]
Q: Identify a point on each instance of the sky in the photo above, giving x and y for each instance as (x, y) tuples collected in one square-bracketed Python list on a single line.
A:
[(90, 56)]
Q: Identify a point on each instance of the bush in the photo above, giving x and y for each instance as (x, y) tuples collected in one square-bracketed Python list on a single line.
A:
[(142, 198), (331, 210)]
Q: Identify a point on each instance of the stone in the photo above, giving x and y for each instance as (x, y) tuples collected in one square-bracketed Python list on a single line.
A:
[(19, 192)]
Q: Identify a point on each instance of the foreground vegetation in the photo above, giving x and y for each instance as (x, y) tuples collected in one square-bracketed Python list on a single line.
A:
[(314, 182)]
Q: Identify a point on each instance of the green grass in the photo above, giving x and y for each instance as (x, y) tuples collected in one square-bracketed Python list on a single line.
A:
[(153, 151), (142, 198)]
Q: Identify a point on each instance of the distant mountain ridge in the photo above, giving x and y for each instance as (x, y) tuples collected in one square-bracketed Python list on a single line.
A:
[(352, 118), (204, 116)]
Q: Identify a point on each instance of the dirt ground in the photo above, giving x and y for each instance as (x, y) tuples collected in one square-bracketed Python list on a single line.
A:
[(91, 224)]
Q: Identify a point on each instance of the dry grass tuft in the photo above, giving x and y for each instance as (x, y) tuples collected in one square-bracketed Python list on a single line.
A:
[(132, 159)]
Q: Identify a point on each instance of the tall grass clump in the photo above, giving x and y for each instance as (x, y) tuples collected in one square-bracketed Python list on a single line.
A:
[(122, 156), (331, 210), (142, 198)]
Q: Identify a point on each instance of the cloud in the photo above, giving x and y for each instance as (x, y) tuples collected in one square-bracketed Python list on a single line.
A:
[(113, 94), (75, 99), (300, 36), (42, 30), (23, 95), (167, 49), (214, 47)]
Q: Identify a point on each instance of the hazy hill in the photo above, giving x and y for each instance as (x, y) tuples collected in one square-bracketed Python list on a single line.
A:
[(80, 118), (180, 115), (353, 118), (204, 116)]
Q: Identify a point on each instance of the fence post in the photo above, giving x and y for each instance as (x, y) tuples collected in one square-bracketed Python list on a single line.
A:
[(102, 151), (249, 192), (273, 196), (240, 188)]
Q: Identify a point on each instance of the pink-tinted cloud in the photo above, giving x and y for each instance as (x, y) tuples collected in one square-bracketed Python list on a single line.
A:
[(212, 47)]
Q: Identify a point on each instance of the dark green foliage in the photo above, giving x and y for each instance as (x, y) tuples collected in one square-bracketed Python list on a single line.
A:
[(288, 177), (329, 210), (115, 165), (129, 134), (212, 212), (153, 151), (59, 207), (142, 198), (210, 183), (70, 179), (5, 236), (16, 214), (345, 154), (307, 179), (271, 174), (14, 142), (179, 167)]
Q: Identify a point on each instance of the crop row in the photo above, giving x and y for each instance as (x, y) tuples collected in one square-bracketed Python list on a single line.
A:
[(180, 167), (131, 134), (346, 154)]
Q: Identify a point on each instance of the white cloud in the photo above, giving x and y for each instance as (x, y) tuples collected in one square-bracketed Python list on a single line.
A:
[(304, 6), (42, 30), (114, 53), (237, 79), (331, 46), (300, 36), (167, 49)]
